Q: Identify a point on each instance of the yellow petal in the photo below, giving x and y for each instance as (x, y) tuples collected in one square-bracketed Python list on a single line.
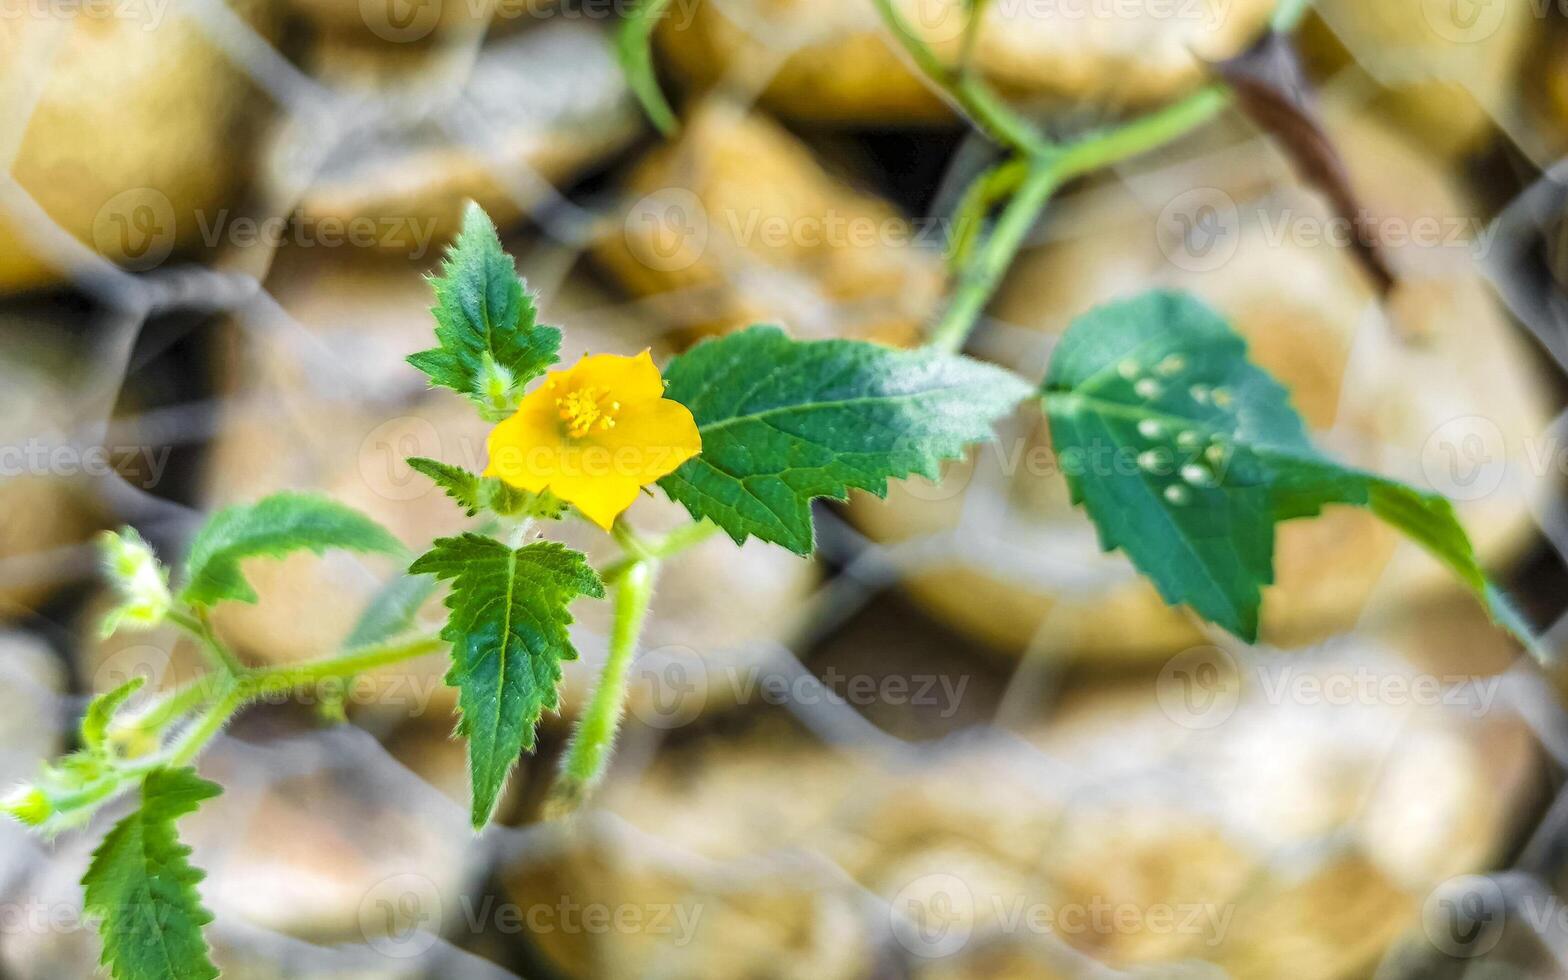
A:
[(651, 440), (601, 499), (525, 449), (629, 380)]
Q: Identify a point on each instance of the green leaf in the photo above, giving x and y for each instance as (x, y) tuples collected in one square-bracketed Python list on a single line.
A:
[(508, 633), (391, 611), (142, 886), (489, 343), (475, 493), (785, 421), (271, 528), (100, 711), (1186, 455), (634, 48)]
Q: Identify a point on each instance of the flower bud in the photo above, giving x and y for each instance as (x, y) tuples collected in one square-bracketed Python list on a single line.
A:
[(27, 804), (140, 581)]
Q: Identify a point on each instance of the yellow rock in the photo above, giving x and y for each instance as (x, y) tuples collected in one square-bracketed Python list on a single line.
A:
[(1436, 388), (552, 102), (1269, 827), (738, 223), (831, 61), (1446, 70), (134, 132)]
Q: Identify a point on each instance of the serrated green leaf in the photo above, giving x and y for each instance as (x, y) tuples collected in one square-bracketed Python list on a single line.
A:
[(475, 493), (490, 344), (634, 50), (271, 528), (785, 421), (508, 633), (1186, 455), (100, 711), (142, 886)]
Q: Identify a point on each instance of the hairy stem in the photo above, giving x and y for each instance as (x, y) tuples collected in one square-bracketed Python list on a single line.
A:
[(588, 754), (199, 626)]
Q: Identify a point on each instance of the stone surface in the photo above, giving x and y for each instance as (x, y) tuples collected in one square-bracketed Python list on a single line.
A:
[(737, 222), (1237, 811), (135, 132), (1446, 71), (1434, 387), (48, 509), (830, 61), (535, 110)]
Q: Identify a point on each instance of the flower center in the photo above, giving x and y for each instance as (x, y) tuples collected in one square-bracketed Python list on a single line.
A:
[(585, 409)]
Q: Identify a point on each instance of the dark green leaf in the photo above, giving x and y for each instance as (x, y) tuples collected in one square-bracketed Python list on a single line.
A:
[(508, 633), (1186, 455), (143, 888), (634, 47), (271, 528), (489, 343), (785, 421)]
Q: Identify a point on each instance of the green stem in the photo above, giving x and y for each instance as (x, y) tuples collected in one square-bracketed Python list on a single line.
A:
[(588, 754), (985, 268), (208, 725), (1143, 134), (639, 548), (982, 105), (984, 271), (1288, 15), (199, 626), (271, 680)]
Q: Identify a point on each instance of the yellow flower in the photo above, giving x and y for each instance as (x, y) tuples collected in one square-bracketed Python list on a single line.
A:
[(594, 434)]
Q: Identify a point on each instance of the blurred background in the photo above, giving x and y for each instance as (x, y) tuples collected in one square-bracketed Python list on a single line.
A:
[(958, 743)]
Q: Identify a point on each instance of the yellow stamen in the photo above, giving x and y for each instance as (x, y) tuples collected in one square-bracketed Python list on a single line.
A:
[(581, 411)]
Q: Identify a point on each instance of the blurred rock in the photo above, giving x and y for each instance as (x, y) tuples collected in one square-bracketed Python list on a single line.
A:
[(136, 126), (47, 506), (320, 399), (1446, 70), (1434, 387), (830, 61), (1239, 812), (533, 110), (737, 223), (392, 22)]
